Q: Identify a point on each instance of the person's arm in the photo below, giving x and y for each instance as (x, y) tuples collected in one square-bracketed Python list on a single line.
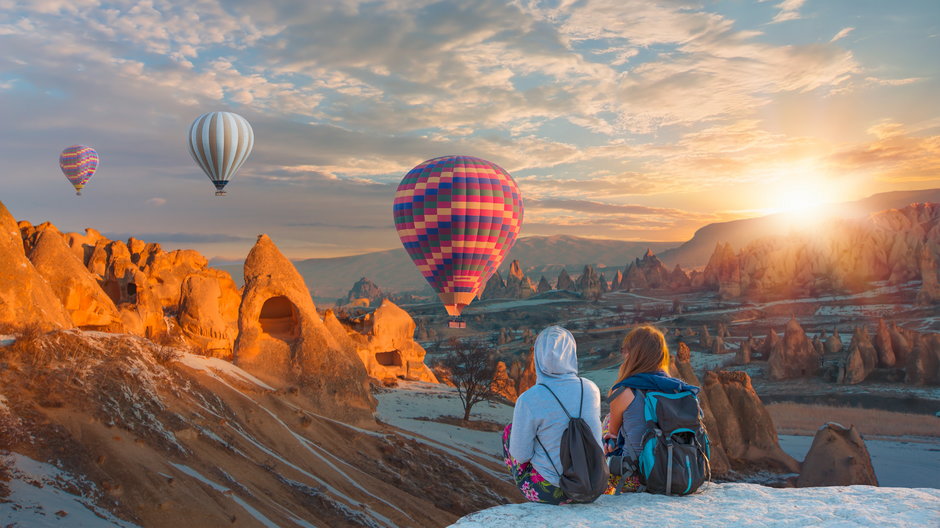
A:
[(617, 407), (522, 436)]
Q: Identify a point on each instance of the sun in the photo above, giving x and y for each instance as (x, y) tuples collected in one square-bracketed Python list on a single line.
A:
[(799, 195)]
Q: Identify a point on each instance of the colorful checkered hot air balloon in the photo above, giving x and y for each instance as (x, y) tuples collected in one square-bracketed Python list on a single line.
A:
[(458, 217), (220, 142), (79, 164)]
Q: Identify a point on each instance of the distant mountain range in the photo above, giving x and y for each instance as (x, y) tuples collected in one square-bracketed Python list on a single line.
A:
[(392, 270), (739, 233)]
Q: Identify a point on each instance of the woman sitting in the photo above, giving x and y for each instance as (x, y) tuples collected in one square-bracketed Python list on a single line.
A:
[(531, 443), (645, 366)]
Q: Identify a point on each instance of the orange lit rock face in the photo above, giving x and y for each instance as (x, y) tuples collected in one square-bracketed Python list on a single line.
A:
[(794, 356), (282, 339), (896, 245), (208, 312), (26, 298), (384, 342), (78, 291)]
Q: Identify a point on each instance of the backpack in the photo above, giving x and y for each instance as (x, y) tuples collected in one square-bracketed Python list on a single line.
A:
[(584, 472), (675, 447)]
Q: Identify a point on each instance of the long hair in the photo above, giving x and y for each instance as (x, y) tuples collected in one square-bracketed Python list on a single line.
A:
[(643, 350)]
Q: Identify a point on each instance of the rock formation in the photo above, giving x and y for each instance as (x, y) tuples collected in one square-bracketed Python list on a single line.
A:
[(26, 298), (767, 346), (860, 360), (838, 457), (88, 305), (883, 345), (208, 315), (900, 345), (833, 343), (747, 432), (706, 341), (605, 287), (923, 364), (564, 281), (794, 356), (589, 284), (495, 287), (544, 286), (616, 283), (502, 384), (896, 245), (518, 286), (281, 338), (384, 342), (634, 279), (743, 355), (363, 289), (679, 280), (718, 346)]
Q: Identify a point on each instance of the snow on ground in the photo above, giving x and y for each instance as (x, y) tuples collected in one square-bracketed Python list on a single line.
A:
[(902, 464), (400, 406), (42, 495), (213, 365), (509, 305), (7, 340), (721, 505), (861, 310)]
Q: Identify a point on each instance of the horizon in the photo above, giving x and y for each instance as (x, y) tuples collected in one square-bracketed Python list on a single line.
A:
[(672, 118)]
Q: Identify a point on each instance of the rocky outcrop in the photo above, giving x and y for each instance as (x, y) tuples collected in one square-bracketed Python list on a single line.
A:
[(495, 287), (605, 286), (88, 305), (282, 340), (838, 457), (544, 285), (767, 346), (833, 344), (589, 284), (900, 344), (564, 281), (208, 315), (743, 355), (883, 345), (502, 384), (679, 280), (634, 279), (363, 289), (518, 286), (384, 342), (896, 245), (617, 282), (860, 360), (923, 364), (794, 356), (747, 432), (26, 298)]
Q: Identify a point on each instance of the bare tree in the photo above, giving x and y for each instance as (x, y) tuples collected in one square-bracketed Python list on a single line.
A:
[(472, 366)]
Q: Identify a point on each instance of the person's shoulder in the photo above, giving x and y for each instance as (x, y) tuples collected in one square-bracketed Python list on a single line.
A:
[(591, 386), (528, 395)]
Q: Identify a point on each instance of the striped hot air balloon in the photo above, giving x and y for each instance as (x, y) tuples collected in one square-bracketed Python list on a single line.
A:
[(458, 217), (79, 164), (220, 142)]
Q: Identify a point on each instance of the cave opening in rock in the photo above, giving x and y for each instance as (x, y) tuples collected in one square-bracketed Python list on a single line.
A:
[(391, 358), (279, 318), (132, 292)]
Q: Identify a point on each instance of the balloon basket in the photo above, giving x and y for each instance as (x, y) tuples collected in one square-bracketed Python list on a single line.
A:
[(78, 193), (220, 193), (457, 322)]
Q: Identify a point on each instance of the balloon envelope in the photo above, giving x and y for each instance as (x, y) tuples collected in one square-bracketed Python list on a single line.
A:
[(220, 142), (458, 217), (79, 164)]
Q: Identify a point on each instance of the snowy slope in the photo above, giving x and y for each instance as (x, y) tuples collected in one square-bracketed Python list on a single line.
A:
[(739, 505)]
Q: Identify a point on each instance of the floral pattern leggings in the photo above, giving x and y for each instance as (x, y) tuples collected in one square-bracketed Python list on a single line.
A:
[(631, 485), (533, 485)]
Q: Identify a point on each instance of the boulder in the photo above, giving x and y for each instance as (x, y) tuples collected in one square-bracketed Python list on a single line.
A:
[(838, 457), (76, 288), (26, 298), (282, 340)]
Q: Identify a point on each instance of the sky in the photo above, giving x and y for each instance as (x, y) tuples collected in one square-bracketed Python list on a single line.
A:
[(623, 119)]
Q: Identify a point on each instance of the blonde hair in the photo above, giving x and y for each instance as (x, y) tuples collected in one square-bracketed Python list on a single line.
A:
[(644, 350)]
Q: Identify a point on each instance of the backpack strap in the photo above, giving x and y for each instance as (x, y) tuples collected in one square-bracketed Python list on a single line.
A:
[(580, 407)]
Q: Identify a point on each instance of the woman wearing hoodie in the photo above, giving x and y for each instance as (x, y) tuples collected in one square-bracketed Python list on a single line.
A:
[(645, 366), (532, 442)]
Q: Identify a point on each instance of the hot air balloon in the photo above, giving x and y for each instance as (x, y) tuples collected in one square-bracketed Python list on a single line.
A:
[(79, 164), (220, 142), (458, 217)]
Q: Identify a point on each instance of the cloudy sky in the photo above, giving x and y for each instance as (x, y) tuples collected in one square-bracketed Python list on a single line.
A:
[(618, 118)]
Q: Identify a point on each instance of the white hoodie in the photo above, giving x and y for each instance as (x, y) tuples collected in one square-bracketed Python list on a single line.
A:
[(537, 412)]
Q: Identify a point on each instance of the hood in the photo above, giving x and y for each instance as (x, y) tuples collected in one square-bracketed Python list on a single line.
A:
[(556, 354)]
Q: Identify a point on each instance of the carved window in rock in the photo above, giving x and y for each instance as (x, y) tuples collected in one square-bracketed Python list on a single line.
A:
[(392, 358), (279, 318), (132, 292)]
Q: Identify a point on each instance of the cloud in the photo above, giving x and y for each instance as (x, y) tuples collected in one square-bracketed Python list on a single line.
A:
[(157, 202), (844, 32), (895, 155), (789, 10)]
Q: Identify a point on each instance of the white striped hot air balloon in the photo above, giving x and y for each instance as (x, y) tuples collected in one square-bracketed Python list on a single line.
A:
[(220, 142)]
